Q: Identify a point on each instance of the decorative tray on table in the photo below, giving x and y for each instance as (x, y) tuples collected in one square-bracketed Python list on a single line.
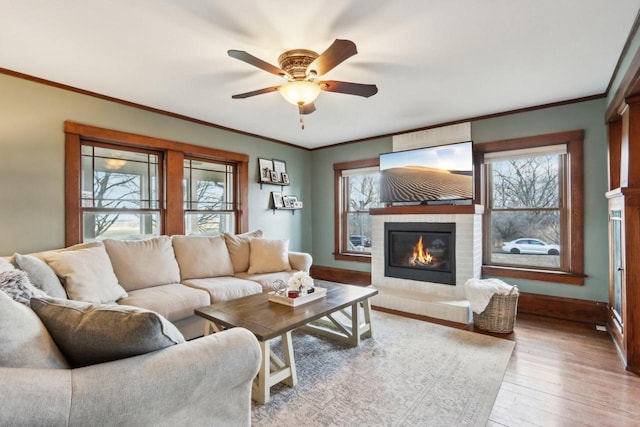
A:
[(295, 302)]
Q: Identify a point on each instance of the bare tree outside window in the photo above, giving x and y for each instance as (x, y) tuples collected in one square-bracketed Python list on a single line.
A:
[(119, 193), (525, 209), (362, 193)]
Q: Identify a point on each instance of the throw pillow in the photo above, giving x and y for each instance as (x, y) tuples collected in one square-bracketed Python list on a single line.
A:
[(40, 274), (16, 284), (5, 265), (96, 333), (87, 274), (141, 264), (268, 256), (26, 343), (239, 250), (200, 257)]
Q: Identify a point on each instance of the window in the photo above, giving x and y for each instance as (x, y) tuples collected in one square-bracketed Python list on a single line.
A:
[(125, 186), (120, 193), (208, 197), (357, 190), (533, 208)]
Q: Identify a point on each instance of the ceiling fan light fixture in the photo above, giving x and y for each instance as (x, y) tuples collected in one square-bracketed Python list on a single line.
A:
[(300, 92)]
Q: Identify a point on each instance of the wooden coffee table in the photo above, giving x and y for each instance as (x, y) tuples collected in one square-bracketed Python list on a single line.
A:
[(268, 320)]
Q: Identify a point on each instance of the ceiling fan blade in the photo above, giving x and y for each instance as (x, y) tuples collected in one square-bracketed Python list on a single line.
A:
[(339, 51), (307, 109), (349, 88), (255, 92), (257, 62)]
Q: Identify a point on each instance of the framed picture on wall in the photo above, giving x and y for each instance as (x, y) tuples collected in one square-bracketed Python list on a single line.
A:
[(280, 167), (276, 198), (285, 178), (265, 167)]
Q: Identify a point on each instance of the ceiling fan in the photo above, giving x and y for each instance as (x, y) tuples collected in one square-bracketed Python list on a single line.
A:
[(301, 68)]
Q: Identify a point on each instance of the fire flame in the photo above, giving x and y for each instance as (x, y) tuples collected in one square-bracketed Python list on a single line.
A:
[(420, 255)]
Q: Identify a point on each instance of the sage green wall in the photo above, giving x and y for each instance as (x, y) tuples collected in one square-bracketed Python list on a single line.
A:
[(590, 117), (586, 115), (32, 163), (323, 197)]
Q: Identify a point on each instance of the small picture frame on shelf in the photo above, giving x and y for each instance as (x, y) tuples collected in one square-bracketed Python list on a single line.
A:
[(265, 168), (280, 167), (289, 201), (285, 178), (297, 205), (277, 199), (274, 176)]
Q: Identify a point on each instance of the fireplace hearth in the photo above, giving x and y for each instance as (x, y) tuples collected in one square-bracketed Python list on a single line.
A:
[(420, 251)]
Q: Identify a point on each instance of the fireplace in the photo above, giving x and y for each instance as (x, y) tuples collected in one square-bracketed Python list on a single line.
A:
[(420, 251)]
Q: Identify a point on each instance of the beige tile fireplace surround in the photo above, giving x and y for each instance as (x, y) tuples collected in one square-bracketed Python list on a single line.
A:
[(436, 300)]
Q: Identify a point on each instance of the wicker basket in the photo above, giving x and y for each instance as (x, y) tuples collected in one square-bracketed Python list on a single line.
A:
[(500, 314)]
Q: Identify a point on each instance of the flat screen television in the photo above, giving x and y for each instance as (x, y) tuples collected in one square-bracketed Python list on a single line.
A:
[(430, 175)]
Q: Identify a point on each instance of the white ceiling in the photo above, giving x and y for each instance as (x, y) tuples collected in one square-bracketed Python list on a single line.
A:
[(434, 61)]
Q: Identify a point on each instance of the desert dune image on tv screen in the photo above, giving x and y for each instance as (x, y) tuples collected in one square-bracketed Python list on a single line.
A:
[(437, 176)]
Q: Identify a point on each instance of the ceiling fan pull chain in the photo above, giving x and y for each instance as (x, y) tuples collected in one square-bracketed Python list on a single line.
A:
[(301, 116)]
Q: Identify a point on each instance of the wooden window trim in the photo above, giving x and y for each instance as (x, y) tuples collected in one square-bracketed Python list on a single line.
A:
[(174, 154), (337, 220), (574, 141)]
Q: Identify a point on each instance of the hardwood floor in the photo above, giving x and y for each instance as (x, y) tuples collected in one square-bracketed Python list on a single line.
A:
[(565, 373), (561, 373)]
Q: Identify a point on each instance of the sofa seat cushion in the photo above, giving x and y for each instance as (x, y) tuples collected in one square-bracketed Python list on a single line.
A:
[(173, 301), (266, 279), (141, 264), (225, 288), (96, 333), (202, 256), (25, 342)]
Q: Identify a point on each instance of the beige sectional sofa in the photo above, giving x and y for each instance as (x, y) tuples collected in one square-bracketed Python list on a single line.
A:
[(147, 291), (175, 275)]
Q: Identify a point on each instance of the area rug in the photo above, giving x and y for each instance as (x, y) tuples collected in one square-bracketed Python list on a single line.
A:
[(411, 373)]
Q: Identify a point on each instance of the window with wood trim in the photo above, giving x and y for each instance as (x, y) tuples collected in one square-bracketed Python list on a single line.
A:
[(122, 185), (357, 190), (209, 207), (121, 191), (533, 208)]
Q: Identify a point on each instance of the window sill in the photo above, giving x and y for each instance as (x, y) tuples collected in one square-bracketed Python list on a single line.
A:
[(366, 258), (531, 274)]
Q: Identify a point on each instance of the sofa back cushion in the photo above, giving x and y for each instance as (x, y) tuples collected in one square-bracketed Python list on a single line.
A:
[(87, 274), (268, 256), (140, 264), (200, 257), (239, 250), (95, 333), (26, 343), (40, 274)]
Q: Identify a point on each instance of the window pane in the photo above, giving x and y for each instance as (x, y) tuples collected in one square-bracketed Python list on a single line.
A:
[(117, 179), (208, 223), (526, 183), (526, 238), (114, 225), (362, 193), (207, 186), (359, 232)]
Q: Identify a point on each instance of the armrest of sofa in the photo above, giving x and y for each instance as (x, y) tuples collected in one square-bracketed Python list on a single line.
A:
[(300, 261), (206, 381), (35, 397)]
